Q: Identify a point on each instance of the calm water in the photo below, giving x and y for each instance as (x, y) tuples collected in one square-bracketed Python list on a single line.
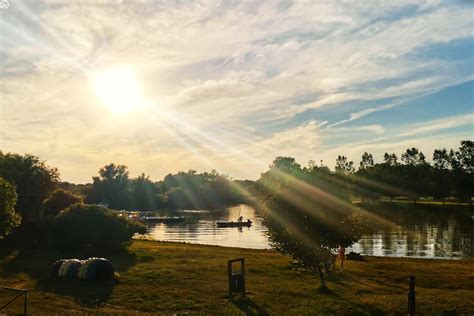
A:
[(412, 234)]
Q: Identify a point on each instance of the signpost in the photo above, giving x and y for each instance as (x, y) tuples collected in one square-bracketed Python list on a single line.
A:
[(236, 279)]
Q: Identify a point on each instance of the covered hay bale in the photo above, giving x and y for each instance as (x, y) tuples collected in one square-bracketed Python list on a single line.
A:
[(55, 268), (96, 269), (70, 268)]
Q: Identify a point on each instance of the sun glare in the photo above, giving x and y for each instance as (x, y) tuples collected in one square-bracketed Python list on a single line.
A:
[(118, 89)]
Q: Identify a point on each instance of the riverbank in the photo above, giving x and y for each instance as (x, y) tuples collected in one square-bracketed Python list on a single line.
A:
[(167, 278)]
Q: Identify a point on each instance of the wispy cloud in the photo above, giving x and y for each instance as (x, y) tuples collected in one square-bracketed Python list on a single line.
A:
[(237, 74)]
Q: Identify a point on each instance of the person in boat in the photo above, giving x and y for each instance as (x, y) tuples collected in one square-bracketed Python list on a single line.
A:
[(240, 219)]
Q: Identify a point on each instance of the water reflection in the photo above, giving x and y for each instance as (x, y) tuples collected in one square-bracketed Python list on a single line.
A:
[(412, 234), (200, 227), (420, 234)]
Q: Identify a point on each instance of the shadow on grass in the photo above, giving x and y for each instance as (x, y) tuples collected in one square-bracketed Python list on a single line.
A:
[(369, 309), (37, 263), (248, 306)]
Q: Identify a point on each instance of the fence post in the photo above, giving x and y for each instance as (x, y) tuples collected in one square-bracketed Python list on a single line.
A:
[(411, 297), (26, 303)]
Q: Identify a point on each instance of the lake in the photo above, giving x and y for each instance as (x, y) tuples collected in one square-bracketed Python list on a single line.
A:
[(401, 234)]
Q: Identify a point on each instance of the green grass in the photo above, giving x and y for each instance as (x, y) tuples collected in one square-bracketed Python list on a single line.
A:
[(169, 278)]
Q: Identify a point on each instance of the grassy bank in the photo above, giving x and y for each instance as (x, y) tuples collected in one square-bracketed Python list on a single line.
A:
[(166, 278)]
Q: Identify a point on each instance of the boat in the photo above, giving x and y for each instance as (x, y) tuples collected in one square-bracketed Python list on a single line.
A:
[(163, 219), (248, 223)]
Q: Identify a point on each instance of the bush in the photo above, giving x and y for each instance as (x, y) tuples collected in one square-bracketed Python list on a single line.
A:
[(58, 201), (82, 225), (9, 219)]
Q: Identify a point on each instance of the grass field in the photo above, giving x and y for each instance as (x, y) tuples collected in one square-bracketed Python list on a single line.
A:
[(174, 278)]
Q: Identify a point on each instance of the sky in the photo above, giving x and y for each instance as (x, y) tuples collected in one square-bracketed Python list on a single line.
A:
[(230, 85)]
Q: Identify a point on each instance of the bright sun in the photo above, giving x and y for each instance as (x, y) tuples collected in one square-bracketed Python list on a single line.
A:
[(118, 89)]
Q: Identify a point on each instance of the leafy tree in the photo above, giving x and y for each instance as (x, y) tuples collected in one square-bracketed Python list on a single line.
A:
[(390, 159), (441, 159), (440, 179), (9, 218), (413, 157), (33, 179), (465, 156), (367, 161), (58, 201), (82, 225), (306, 212), (110, 187), (343, 166), (145, 195), (462, 165)]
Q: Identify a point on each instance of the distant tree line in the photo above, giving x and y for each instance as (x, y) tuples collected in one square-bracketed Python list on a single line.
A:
[(184, 190), (31, 190), (451, 174)]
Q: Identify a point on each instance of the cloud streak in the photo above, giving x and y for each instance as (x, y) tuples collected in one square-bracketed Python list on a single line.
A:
[(250, 78)]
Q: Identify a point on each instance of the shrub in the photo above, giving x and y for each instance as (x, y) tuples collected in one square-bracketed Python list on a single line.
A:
[(9, 219), (58, 201), (83, 225)]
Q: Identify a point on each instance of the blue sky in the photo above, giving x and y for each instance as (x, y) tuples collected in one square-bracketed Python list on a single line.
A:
[(230, 85)]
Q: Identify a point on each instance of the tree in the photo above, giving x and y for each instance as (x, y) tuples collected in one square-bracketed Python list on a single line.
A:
[(9, 218), (84, 225), (413, 157), (415, 173), (441, 159), (58, 201), (462, 165), (343, 166), (111, 187), (33, 179), (367, 161), (465, 156), (390, 159), (307, 213), (144, 193)]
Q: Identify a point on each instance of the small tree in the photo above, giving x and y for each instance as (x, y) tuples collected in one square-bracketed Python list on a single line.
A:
[(9, 219), (58, 201), (367, 161), (343, 166), (110, 187), (307, 213), (81, 225)]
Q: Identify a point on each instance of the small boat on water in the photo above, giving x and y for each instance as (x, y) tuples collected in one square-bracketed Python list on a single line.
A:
[(163, 219), (248, 223)]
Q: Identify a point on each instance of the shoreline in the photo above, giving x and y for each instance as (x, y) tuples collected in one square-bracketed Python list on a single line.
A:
[(270, 249)]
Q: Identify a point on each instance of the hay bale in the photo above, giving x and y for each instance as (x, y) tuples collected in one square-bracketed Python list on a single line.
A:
[(96, 269), (70, 268), (55, 268)]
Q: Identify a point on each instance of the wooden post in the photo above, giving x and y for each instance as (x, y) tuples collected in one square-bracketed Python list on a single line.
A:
[(26, 303), (411, 297)]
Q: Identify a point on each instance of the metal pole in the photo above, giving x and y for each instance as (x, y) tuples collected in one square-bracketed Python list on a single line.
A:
[(411, 297)]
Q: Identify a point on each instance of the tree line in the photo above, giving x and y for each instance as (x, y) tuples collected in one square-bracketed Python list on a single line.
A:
[(449, 175), (31, 190)]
